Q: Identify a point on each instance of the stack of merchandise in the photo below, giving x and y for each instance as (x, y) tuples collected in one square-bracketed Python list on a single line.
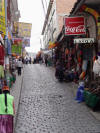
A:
[(7, 68), (92, 93)]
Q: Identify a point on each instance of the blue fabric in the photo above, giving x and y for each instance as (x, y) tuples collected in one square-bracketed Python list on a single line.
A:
[(80, 94)]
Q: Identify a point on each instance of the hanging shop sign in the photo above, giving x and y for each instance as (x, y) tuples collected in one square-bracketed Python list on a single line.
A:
[(24, 29), (2, 17), (84, 40), (26, 42), (74, 26)]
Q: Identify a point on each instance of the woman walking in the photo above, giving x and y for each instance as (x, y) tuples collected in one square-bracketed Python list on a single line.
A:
[(19, 66), (6, 111)]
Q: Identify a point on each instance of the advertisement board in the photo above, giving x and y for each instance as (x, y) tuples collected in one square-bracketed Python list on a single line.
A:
[(16, 49), (2, 17), (22, 29), (74, 26)]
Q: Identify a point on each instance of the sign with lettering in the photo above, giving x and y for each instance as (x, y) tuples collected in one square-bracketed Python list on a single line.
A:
[(74, 26), (84, 40)]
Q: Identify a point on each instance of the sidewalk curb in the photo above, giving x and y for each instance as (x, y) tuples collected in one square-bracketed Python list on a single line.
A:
[(16, 92), (18, 102)]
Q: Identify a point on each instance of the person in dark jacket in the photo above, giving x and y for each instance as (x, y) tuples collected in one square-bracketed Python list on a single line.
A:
[(46, 61), (59, 71)]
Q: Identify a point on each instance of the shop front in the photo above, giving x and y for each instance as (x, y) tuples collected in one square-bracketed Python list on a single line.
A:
[(88, 53)]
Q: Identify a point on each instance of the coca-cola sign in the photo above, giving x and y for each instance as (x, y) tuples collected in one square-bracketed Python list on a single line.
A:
[(74, 26)]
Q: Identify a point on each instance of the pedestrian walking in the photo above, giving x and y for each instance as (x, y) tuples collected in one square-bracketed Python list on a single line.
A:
[(46, 61), (26, 60), (6, 111), (19, 66), (30, 60), (59, 74)]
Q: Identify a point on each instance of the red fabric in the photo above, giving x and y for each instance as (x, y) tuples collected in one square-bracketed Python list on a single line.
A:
[(2, 54)]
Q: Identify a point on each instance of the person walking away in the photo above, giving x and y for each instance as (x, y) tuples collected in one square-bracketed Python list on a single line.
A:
[(26, 60), (19, 66), (46, 61), (30, 60), (7, 111)]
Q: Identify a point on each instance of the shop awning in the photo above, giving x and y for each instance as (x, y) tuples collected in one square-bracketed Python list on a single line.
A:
[(95, 4)]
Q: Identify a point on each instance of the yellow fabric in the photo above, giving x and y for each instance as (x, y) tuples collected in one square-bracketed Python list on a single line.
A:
[(1, 71)]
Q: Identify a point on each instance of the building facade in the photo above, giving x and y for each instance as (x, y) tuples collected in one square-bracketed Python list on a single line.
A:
[(53, 24), (14, 12)]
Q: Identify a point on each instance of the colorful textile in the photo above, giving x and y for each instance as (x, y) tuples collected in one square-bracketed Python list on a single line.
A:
[(82, 75), (6, 124)]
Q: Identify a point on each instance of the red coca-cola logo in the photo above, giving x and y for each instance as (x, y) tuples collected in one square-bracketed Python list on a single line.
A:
[(80, 28), (74, 26)]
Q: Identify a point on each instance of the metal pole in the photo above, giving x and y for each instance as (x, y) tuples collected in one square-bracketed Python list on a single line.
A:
[(43, 7), (46, 4)]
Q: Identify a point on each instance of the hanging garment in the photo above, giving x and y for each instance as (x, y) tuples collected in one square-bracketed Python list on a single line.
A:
[(82, 75), (8, 47), (87, 53), (96, 66), (84, 65), (1, 71), (2, 54)]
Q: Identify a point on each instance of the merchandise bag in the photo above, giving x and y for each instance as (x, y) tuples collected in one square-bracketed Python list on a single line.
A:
[(80, 93)]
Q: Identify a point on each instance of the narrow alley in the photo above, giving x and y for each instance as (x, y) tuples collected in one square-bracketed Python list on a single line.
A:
[(47, 106)]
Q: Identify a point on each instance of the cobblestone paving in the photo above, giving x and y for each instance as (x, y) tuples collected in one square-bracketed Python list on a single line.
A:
[(47, 106)]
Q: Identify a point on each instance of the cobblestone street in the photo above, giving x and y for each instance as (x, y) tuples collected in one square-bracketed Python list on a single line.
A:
[(47, 106)]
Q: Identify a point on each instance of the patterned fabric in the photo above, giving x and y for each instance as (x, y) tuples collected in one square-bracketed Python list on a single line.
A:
[(6, 124)]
